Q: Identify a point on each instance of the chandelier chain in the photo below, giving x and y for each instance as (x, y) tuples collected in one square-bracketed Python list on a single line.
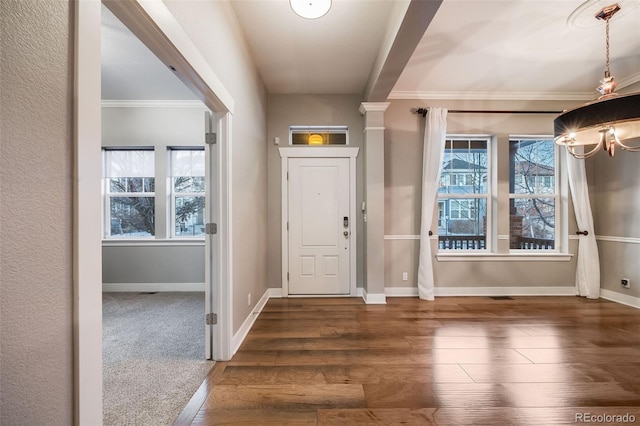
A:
[(607, 72)]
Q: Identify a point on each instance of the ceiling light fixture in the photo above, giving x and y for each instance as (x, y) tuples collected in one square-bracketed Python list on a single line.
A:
[(310, 9), (610, 121)]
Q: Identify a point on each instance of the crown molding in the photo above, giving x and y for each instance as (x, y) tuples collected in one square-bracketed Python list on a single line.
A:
[(373, 106), (504, 96), (626, 82), (152, 104)]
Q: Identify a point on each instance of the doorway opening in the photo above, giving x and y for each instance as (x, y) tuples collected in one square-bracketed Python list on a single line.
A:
[(155, 342), (147, 24)]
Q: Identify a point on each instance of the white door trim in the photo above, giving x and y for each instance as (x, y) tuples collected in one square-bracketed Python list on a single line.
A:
[(319, 152)]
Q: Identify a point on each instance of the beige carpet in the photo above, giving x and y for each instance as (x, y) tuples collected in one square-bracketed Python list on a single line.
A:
[(153, 353)]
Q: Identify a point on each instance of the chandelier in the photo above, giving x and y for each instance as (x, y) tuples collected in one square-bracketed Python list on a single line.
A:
[(612, 121)]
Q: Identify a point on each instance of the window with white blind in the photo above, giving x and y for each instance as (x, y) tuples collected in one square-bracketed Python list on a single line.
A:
[(129, 187), (187, 192)]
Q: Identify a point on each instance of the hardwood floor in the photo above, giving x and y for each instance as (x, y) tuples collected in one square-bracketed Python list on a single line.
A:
[(455, 361)]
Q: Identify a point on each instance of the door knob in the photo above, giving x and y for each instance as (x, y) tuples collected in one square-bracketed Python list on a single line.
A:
[(346, 233)]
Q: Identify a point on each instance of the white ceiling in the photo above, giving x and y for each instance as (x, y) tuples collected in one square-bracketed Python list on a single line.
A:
[(333, 54), (130, 71), (520, 49), (498, 49)]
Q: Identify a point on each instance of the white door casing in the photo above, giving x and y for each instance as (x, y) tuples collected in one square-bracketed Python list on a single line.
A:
[(317, 258)]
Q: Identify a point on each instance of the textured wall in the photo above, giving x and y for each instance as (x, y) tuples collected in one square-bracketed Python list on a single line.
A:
[(36, 370)]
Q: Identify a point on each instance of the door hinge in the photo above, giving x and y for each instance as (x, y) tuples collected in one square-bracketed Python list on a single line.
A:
[(210, 138), (287, 226), (211, 319), (287, 175), (211, 228), (287, 276)]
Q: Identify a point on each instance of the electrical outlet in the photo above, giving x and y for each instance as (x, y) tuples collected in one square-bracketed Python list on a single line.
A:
[(249, 300), (624, 282), (405, 276)]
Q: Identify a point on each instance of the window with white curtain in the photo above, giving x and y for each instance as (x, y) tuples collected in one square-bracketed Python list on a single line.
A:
[(129, 187), (187, 178)]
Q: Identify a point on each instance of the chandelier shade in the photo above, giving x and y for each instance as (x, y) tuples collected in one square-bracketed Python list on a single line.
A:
[(604, 123)]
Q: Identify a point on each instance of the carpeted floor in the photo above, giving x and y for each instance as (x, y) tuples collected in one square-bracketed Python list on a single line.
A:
[(153, 354)]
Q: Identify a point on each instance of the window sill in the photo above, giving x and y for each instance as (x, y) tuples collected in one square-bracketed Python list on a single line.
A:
[(173, 242), (503, 257)]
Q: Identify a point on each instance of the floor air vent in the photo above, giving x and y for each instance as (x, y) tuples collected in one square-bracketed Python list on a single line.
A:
[(500, 297)]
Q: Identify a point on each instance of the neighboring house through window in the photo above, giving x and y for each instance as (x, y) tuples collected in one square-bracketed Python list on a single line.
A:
[(464, 194), (468, 195)]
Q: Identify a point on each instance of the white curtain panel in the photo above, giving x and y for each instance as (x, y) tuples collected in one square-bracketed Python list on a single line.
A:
[(588, 262), (435, 133)]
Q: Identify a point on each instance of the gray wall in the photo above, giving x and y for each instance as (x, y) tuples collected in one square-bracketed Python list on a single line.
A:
[(213, 28), (308, 110), (36, 86), (150, 263), (403, 169), (614, 185), (135, 265)]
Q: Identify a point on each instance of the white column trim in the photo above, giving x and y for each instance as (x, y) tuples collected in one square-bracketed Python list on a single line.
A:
[(373, 106)]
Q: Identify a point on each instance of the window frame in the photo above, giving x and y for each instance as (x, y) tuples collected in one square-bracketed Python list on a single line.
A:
[(487, 196), (558, 205), (108, 194), (173, 194), (498, 244), (319, 129)]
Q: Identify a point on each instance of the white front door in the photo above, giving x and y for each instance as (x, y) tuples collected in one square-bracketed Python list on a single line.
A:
[(319, 226)]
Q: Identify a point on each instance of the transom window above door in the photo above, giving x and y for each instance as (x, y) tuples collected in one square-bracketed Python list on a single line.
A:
[(318, 135)]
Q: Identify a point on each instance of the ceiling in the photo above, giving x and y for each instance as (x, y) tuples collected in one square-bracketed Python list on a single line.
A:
[(472, 49), (130, 71)]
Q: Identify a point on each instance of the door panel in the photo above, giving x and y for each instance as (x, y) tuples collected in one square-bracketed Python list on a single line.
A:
[(318, 202)]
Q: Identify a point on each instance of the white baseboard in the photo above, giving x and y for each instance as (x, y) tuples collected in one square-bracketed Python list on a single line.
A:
[(373, 298), (620, 298), (401, 291), (150, 287), (274, 292), (239, 337), (484, 291)]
